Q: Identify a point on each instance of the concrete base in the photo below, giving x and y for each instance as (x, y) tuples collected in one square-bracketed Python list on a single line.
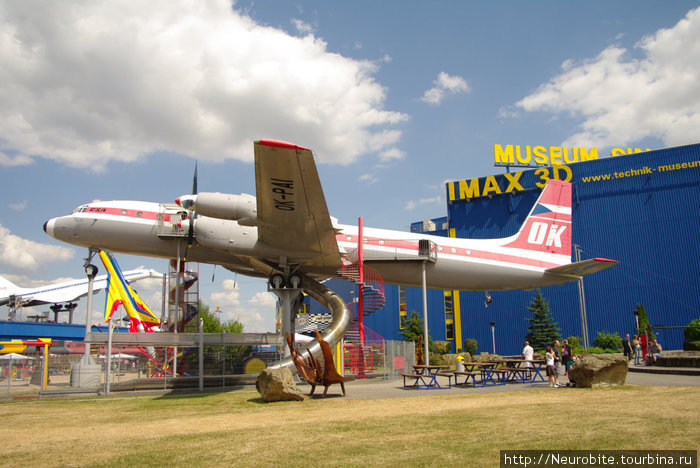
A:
[(85, 373)]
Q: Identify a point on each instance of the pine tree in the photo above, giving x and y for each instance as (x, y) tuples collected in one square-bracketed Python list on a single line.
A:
[(644, 323), (414, 328), (542, 330)]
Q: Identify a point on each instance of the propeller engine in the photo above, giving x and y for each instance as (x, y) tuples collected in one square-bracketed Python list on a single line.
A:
[(241, 208)]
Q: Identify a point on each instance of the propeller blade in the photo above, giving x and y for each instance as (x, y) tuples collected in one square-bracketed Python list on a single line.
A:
[(192, 216), (194, 180)]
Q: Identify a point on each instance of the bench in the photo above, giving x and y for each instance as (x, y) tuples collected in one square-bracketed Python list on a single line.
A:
[(500, 375), (449, 376), (416, 378), (518, 373), (467, 375)]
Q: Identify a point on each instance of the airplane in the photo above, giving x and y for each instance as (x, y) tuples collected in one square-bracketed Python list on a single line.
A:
[(285, 233), (60, 292)]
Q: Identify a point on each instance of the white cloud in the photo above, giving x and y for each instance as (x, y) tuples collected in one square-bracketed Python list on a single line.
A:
[(229, 296), (445, 85), (263, 299), (413, 204), (256, 315), (18, 254), (20, 206), (90, 82), (368, 178), (391, 154), (302, 26), (622, 100)]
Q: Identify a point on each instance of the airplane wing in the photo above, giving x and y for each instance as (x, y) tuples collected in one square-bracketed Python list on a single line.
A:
[(582, 268), (71, 290), (292, 211)]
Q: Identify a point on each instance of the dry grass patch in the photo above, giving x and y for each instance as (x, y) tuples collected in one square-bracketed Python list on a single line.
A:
[(236, 429)]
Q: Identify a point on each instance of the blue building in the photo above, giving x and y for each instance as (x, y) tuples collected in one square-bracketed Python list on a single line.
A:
[(641, 209)]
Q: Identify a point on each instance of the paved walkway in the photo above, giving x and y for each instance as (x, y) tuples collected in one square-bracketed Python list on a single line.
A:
[(378, 388)]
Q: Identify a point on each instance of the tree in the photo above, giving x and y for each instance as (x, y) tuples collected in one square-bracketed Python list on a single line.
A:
[(414, 328), (212, 324), (608, 341), (644, 322), (542, 330)]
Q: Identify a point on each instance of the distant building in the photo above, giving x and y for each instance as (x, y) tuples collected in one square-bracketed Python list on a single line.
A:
[(641, 209)]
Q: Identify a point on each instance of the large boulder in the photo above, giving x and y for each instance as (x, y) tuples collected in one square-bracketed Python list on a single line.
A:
[(599, 370), (277, 385)]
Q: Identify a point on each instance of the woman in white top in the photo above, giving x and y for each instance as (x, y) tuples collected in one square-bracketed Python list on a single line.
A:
[(551, 373)]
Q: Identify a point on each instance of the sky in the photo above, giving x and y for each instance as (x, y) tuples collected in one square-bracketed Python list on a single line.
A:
[(116, 100)]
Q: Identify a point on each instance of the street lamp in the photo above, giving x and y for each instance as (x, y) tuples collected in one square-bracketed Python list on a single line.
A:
[(636, 318), (91, 272), (493, 336)]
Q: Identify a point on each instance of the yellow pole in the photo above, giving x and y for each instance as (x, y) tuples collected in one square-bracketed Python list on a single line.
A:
[(339, 358), (45, 377), (457, 312)]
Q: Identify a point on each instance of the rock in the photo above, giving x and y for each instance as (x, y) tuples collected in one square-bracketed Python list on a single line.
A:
[(599, 370), (487, 357), (278, 385)]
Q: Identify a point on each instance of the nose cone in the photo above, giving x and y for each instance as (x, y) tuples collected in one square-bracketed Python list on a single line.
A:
[(48, 227)]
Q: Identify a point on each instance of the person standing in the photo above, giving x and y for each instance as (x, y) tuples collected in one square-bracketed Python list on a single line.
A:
[(627, 347), (527, 355), (551, 373), (557, 361), (637, 345), (566, 356)]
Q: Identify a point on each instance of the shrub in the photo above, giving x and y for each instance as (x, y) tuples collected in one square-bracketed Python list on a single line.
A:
[(692, 334), (607, 340), (437, 359), (691, 346), (576, 346), (595, 350), (442, 347), (470, 346)]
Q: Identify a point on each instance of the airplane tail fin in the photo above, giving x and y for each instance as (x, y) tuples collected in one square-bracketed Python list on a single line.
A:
[(120, 292), (7, 285), (546, 233)]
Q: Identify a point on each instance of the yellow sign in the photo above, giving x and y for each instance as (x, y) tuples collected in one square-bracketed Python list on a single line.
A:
[(504, 183), (550, 155)]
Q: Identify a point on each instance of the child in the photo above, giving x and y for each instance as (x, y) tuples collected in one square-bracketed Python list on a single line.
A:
[(551, 372)]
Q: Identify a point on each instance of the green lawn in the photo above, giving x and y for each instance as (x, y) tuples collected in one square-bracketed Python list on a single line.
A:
[(238, 429)]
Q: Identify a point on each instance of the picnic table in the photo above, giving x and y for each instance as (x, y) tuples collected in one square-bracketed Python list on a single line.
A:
[(490, 373), (518, 369), (425, 377)]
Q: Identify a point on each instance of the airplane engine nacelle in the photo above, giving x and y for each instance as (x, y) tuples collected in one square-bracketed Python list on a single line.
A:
[(241, 207)]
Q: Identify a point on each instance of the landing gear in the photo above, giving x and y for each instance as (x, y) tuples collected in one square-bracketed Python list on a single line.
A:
[(287, 288), (279, 281), (294, 281)]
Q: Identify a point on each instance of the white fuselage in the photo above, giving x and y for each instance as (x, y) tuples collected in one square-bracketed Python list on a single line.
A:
[(150, 229)]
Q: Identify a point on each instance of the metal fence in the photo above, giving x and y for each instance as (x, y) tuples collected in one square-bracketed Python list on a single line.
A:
[(223, 367)]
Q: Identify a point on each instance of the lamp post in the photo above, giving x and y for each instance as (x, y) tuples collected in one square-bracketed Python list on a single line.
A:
[(636, 319), (91, 272), (493, 336), (85, 373)]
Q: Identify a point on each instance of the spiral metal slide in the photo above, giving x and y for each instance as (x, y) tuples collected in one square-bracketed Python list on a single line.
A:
[(336, 329)]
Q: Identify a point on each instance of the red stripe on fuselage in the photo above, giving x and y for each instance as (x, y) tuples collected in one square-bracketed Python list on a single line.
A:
[(474, 254), (126, 212)]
